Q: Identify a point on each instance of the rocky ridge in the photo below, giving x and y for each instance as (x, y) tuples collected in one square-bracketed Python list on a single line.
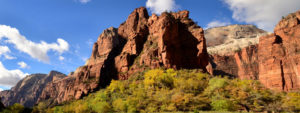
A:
[(28, 90), (171, 40)]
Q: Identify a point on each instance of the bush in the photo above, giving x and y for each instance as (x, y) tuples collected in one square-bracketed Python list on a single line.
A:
[(292, 101)]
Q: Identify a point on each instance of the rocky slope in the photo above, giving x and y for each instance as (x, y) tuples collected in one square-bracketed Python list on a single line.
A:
[(28, 90), (171, 40)]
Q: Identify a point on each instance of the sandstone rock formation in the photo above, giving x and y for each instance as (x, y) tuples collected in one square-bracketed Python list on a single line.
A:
[(278, 55), (242, 64), (28, 90), (171, 40), (99, 70), (233, 50), (274, 61)]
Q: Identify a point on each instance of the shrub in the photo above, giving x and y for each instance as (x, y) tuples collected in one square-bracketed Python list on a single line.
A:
[(292, 101)]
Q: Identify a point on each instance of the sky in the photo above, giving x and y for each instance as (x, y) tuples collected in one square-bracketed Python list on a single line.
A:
[(37, 36)]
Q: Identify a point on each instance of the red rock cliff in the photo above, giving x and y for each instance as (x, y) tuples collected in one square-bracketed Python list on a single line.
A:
[(279, 55), (242, 64), (171, 40), (274, 61)]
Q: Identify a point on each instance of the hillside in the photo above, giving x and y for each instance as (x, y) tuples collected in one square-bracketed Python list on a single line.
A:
[(28, 90)]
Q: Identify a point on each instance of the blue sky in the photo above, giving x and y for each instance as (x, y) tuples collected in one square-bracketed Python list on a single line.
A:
[(68, 28)]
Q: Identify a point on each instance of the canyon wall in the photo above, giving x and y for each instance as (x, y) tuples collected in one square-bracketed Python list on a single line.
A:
[(274, 60), (279, 55)]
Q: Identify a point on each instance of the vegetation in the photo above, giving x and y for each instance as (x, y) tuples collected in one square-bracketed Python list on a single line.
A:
[(161, 90), (16, 108)]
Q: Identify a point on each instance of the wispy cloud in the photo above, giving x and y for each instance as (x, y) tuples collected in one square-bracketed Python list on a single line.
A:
[(264, 13), (4, 51), (159, 6), (35, 50), (216, 23)]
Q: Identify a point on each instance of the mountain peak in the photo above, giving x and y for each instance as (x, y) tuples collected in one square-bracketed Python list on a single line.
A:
[(53, 73)]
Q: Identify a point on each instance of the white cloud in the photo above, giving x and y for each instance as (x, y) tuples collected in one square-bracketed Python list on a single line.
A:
[(1, 89), (4, 51), (216, 23), (9, 78), (35, 50), (23, 65), (264, 13), (159, 6), (84, 1), (61, 58)]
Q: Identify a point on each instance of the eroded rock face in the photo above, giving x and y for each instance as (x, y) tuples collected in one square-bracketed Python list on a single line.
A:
[(234, 49), (28, 90), (171, 40), (174, 41), (242, 64), (274, 61), (97, 72), (279, 55)]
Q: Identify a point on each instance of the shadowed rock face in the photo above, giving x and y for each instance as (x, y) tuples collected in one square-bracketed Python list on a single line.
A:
[(242, 64), (171, 40), (28, 90), (1, 106)]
